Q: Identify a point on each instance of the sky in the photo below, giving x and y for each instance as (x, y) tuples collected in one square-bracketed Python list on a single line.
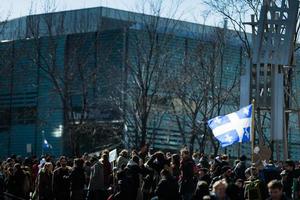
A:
[(189, 10)]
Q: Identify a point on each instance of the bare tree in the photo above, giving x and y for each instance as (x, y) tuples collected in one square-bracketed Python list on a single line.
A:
[(74, 77), (149, 58), (237, 11), (203, 88)]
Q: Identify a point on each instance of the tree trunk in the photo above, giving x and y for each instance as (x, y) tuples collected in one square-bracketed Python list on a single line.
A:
[(192, 142), (143, 133)]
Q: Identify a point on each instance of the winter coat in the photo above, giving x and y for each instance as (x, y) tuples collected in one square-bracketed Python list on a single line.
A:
[(97, 177), (187, 182), (77, 179), (132, 181), (167, 189), (15, 185), (45, 185), (107, 173), (61, 183), (239, 170), (121, 161), (133, 174)]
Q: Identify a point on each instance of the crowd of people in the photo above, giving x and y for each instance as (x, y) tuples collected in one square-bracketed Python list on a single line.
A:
[(137, 175)]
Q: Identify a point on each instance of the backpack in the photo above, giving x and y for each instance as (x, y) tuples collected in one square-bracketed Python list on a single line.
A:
[(253, 190)]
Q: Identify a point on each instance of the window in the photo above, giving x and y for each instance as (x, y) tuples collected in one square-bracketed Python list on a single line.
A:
[(24, 115), (4, 119)]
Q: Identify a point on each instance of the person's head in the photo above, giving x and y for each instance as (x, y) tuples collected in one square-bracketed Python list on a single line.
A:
[(136, 159), (78, 163), (17, 167), (105, 157), (86, 157), (275, 188), (289, 165), (243, 158), (196, 155), (226, 171), (219, 189), (63, 161), (239, 183), (201, 190), (134, 153), (202, 171), (175, 159), (124, 153), (224, 157), (48, 167), (94, 159), (160, 156), (206, 197), (185, 154), (251, 172), (10, 162), (87, 164)]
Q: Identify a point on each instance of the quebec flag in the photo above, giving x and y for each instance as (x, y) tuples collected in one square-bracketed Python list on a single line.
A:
[(46, 145), (232, 128)]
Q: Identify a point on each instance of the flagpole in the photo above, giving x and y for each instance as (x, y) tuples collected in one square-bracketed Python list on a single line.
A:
[(252, 129)]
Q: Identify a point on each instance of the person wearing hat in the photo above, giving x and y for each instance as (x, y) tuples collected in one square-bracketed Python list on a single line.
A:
[(239, 170), (226, 174)]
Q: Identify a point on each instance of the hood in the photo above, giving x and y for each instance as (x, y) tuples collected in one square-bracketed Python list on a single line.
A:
[(131, 163)]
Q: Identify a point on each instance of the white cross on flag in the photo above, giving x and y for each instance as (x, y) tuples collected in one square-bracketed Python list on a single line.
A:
[(232, 128)]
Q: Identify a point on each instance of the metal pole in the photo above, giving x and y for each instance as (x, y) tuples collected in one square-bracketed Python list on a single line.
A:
[(253, 130), (285, 138)]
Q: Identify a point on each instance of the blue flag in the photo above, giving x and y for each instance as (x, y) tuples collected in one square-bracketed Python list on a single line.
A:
[(46, 145), (232, 128)]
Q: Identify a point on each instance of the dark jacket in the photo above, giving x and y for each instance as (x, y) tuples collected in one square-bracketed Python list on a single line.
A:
[(77, 179), (187, 180), (205, 178), (96, 177), (61, 183), (288, 184), (132, 174), (45, 185), (167, 189), (15, 184), (239, 170), (107, 173)]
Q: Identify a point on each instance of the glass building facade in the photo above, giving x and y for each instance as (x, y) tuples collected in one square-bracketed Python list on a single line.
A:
[(96, 43)]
